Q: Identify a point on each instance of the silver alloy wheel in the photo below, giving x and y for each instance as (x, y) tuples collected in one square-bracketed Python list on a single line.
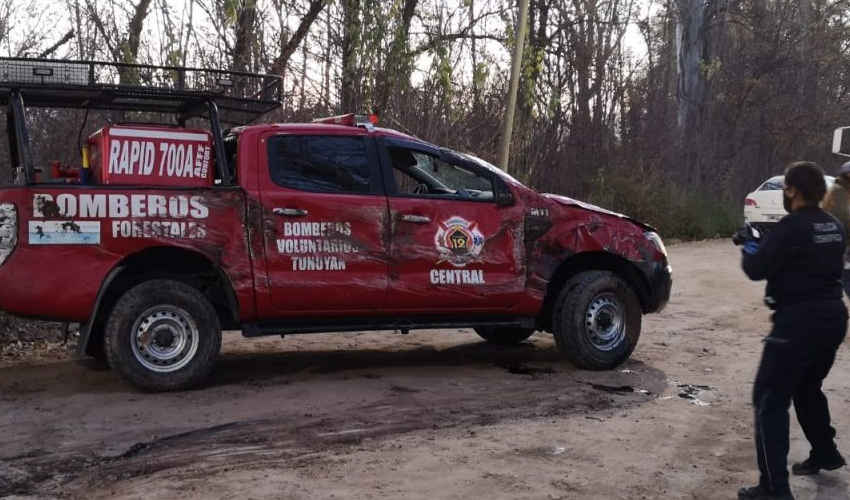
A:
[(605, 322), (164, 339)]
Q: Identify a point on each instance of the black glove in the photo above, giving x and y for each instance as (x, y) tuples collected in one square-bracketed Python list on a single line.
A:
[(745, 234)]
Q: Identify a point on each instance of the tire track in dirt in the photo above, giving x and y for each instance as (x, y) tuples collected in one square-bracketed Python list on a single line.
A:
[(528, 382)]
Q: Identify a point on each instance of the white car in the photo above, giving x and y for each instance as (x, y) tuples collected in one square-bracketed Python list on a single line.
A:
[(763, 207)]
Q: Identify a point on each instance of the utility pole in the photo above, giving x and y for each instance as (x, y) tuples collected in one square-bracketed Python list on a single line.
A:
[(516, 67)]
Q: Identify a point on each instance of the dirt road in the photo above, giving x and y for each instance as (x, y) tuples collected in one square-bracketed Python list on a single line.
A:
[(434, 414)]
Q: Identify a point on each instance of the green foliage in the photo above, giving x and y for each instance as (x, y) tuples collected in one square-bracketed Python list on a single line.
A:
[(676, 212), (443, 70), (230, 9), (711, 68)]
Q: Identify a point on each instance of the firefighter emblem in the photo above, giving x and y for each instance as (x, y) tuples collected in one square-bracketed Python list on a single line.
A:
[(458, 241)]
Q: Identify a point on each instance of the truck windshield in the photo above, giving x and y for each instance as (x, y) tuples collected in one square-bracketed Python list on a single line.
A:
[(489, 166)]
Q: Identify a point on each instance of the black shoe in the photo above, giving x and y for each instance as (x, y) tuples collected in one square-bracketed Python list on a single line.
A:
[(761, 493), (811, 466)]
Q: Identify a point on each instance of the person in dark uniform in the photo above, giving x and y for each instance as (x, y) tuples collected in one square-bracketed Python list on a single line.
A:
[(802, 260)]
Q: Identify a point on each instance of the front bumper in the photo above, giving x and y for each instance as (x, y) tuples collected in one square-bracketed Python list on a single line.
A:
[(764, 217), (660, 287)]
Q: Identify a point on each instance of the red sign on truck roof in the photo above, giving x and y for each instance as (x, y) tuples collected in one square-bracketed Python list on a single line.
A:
[(152, 155)]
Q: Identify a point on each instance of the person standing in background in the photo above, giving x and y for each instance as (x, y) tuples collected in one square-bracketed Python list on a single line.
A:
[(837, 203)]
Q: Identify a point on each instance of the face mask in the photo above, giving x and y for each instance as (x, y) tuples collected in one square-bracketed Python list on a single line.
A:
[(786, 202)]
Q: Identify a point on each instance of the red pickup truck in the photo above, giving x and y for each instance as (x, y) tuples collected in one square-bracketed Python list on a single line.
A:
[(173, 234)]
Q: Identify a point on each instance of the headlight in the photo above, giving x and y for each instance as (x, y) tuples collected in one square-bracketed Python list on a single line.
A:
[(656, 240)]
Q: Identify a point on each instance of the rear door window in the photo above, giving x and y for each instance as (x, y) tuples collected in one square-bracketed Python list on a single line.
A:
[(329, 164)]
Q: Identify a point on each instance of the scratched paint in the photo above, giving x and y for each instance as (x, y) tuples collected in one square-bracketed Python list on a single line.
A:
[(83, 258)]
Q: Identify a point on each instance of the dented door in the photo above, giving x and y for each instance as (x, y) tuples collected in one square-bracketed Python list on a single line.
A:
[(324, 214), (452, 247)]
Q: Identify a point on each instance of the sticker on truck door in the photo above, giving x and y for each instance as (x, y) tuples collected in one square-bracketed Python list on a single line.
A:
[(125, 215), (458, 241), (317, 245), (64, 232)]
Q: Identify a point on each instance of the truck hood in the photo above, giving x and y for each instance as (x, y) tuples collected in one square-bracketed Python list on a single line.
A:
[(564, 200)]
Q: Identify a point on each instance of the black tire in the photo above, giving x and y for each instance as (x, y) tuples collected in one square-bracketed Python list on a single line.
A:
[(163, 335), (504, 335), (583, 334)]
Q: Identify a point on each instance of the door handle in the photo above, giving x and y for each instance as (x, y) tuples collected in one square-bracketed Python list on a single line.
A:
[(416, 219), (290, 212)]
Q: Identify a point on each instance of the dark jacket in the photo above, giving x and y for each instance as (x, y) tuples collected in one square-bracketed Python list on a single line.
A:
[(802, 259)]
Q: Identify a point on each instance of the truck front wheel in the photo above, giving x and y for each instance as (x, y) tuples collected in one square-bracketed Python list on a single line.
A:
[(504, 335), (597, 320), (163, 335)]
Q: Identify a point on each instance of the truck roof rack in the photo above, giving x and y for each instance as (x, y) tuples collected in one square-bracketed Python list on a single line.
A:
[(239, 97), (222, 96)]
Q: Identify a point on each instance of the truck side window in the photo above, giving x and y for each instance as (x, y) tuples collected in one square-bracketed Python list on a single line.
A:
[(336, 164), (421, 174)]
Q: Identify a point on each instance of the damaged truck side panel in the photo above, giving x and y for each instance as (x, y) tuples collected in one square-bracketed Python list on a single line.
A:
[(584, 231), (95, 230)]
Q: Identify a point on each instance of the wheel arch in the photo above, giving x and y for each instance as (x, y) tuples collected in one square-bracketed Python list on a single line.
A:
[(593, 261), (188, 266)]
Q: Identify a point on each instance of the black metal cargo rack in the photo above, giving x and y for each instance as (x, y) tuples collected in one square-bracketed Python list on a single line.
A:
[(138, 87), (223, 96)]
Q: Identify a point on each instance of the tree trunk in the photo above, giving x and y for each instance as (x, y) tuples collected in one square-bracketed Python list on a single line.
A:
[(243, 46), (692, 54), (538, 17), (134, 31), (328, 61), (516, 67), (129, 48), (350, 80), (79, 25), (302, 101), (476, 91), (396, 67)]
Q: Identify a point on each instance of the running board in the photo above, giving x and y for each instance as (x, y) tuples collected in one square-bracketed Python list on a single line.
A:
[(297, 326)]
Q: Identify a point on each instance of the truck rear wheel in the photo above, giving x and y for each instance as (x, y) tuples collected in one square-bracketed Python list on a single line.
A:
[(163, 335), (504, 335), (597, 320)]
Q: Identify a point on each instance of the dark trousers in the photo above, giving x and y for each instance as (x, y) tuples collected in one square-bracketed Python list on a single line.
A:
[(797, 356)]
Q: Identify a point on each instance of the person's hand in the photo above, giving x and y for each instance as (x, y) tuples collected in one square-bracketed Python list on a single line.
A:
[(746, 234), (750, 247)]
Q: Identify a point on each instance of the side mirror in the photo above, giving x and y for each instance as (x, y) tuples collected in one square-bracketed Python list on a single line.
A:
[(841, 141)]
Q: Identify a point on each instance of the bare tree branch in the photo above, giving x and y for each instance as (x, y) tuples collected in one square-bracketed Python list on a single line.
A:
[(286, 51), (65, 39)]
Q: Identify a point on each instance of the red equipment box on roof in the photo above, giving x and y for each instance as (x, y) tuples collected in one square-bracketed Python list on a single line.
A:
[(151, 155)]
